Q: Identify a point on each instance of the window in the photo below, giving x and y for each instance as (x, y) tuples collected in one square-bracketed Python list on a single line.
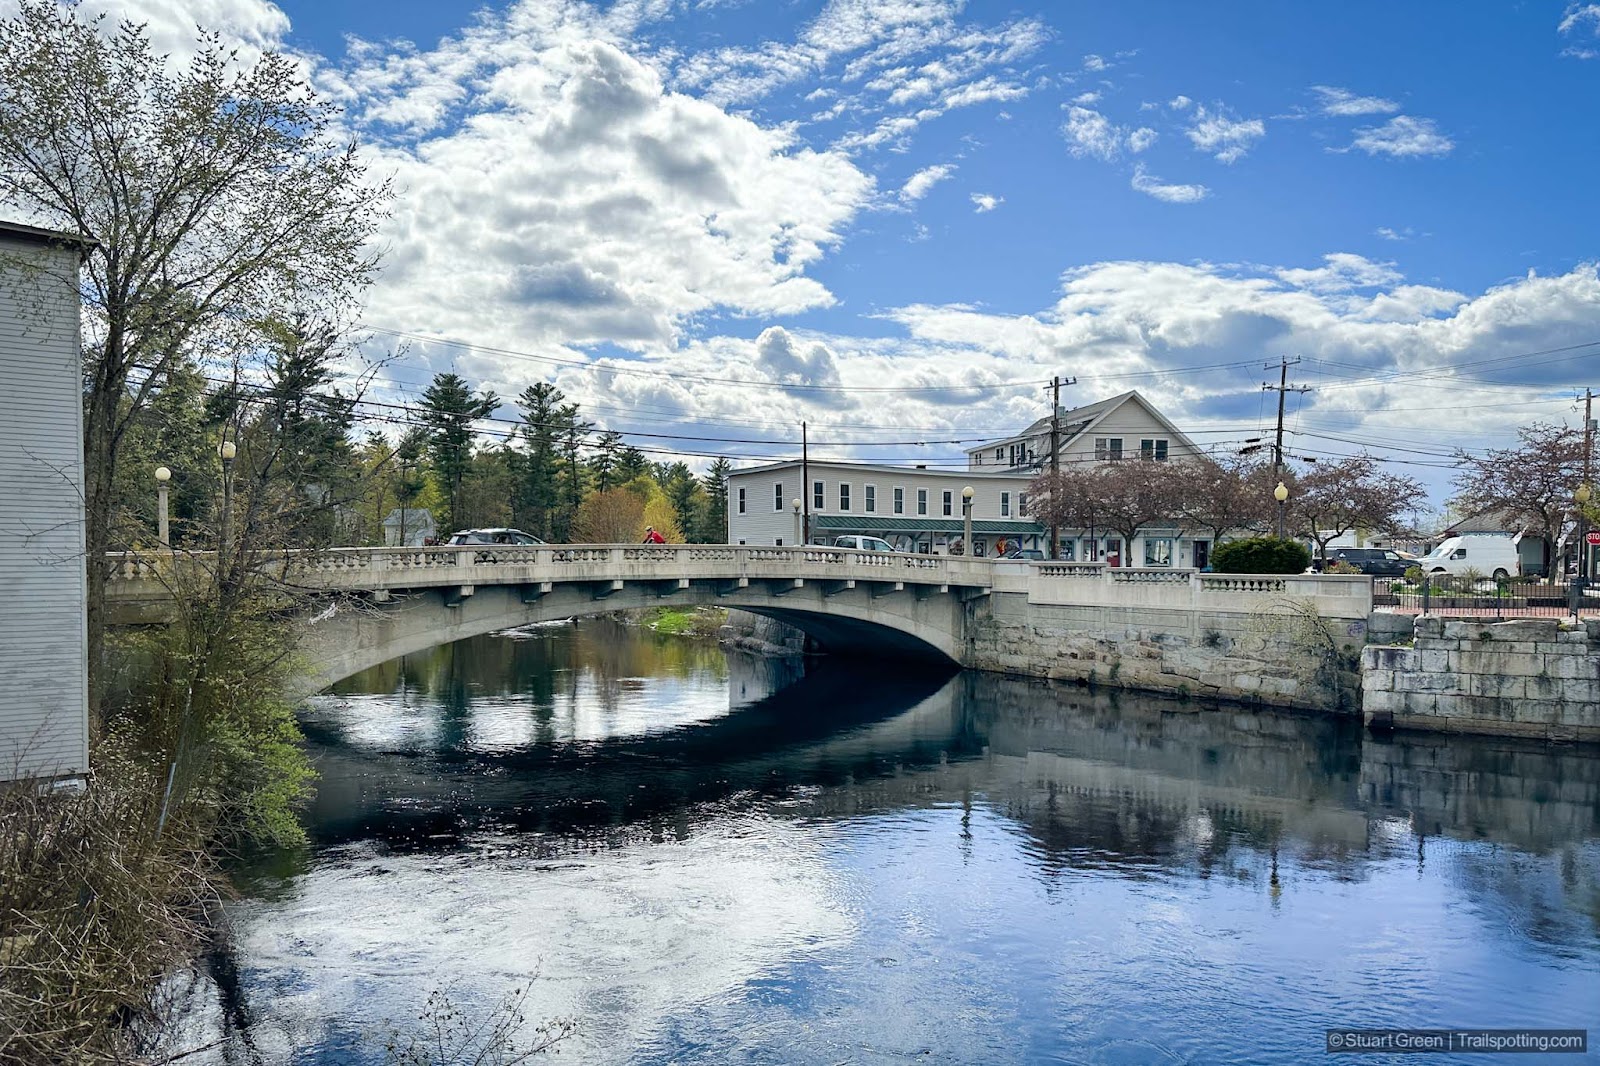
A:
[(1158, 551), (778, 543), (819, 498), (1000, 453), (1005, 505), (1022, 503), (1108, 447), (899, 500), (1153, 449), (948, 497), (870, 498), (741, 500), (922, 501), (777, 496), (844, 496)]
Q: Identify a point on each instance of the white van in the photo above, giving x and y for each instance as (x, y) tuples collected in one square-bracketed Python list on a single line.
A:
[(1490, 556), (865, 544)]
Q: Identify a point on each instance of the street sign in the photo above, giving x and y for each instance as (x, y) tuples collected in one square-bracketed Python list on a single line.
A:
[(1592, 537)]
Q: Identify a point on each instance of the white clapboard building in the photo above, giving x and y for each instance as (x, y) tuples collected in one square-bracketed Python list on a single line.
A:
[(918, 508), (44, 692)]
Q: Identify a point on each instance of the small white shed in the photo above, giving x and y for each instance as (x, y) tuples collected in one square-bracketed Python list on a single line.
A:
[(44, 688)]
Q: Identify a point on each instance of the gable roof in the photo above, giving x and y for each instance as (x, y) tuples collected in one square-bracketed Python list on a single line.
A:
[(1081, 420)]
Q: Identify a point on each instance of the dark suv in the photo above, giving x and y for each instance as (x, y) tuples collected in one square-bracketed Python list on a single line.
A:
[(1380, 562)]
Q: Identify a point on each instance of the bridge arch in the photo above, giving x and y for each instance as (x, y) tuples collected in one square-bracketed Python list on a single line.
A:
[(349, 637)]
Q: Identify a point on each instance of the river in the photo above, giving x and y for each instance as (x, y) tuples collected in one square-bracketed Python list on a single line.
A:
[(699, 857)]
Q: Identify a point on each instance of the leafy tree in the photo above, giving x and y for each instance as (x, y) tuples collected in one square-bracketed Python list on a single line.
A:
[(1530, 484), (611, 516), (1121, 497), (659, 512), (449, 410), (1222, 495), (1353, 493), (218, 193)]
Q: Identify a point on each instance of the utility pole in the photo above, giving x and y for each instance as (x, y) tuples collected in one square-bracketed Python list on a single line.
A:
[(1586, 488), (1055, 461), (1282, 389), (805, 486)]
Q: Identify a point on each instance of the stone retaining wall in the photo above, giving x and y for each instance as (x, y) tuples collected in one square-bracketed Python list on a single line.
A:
[(1528, 678), (1272, 656)]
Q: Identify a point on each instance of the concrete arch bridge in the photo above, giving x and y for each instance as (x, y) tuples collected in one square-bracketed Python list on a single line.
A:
[(1286, 640), (382, 603)]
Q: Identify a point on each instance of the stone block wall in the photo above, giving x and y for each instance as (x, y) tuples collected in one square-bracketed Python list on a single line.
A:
[(1263, 658), (1533, 678)]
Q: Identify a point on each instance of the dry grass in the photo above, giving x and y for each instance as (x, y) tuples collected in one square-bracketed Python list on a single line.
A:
[(95, 906)]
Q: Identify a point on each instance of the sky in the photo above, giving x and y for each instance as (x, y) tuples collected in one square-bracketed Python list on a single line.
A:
[(896, 219)]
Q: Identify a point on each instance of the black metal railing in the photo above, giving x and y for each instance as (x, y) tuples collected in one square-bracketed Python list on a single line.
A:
[(1469, 596)]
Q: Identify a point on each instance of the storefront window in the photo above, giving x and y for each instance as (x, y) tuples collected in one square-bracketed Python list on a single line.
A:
[(1158, 551)]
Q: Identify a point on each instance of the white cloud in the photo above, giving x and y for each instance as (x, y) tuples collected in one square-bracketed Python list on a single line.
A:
[(1389, 233), (1180, 103), (579, 202), (250, 26), (1225, 138), (1151, 185), (984, 202), (1341, 272), (1094, 62), (1343, 102), (1086, 99), (919, 184), (1576, 18), (1091, 135), (1403, 137)]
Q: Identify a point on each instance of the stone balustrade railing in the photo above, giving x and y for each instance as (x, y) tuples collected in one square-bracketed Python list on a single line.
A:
[(133, 574), (1096, 584)]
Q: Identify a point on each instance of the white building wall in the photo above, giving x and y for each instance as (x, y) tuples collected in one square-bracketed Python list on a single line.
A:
[(44, 721), (763, 522)]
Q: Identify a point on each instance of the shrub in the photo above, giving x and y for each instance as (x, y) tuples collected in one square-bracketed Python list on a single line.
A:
[(1261, 555), (1342, 567), (1414, 574)]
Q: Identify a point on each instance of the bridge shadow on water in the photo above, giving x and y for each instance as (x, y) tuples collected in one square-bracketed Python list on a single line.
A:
[(786, 724)]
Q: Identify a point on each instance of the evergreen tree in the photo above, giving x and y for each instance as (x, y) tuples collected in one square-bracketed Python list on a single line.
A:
[(712, 527), (449, 409), (680, 486), (571, 434), (538, 469), (604, 464), (631, 463)]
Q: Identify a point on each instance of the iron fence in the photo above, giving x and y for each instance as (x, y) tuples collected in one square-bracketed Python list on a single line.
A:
[(1457, 596)]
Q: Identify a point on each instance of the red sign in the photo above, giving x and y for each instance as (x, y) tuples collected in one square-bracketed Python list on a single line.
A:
[(1593, 537)]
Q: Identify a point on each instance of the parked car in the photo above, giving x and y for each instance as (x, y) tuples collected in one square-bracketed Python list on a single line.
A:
[(1490, 556), (493, 536), (1381, 562), (1030, 554), (865, 544)]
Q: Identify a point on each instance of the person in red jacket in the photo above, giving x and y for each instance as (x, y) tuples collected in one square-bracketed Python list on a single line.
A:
[(652, 537)]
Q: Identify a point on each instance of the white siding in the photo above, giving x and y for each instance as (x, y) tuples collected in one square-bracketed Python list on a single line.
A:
[(43, 667)]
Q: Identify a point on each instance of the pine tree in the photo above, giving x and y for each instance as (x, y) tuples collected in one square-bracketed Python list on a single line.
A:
[(448, 410), (604, 463), (538, 469), (712, 527)]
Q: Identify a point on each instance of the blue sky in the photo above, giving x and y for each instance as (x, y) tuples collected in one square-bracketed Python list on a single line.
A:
[(920, 194)]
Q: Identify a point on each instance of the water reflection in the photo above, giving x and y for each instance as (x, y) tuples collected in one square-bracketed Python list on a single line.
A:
[(712, 859)]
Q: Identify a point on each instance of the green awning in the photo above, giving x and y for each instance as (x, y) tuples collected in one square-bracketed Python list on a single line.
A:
[(873, 524)]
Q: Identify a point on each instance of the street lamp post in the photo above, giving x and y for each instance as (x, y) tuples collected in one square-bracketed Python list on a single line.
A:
[(1281, 494), (966, 520), (1582, 497), (227, 450), (799, 534), (163, 475)]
